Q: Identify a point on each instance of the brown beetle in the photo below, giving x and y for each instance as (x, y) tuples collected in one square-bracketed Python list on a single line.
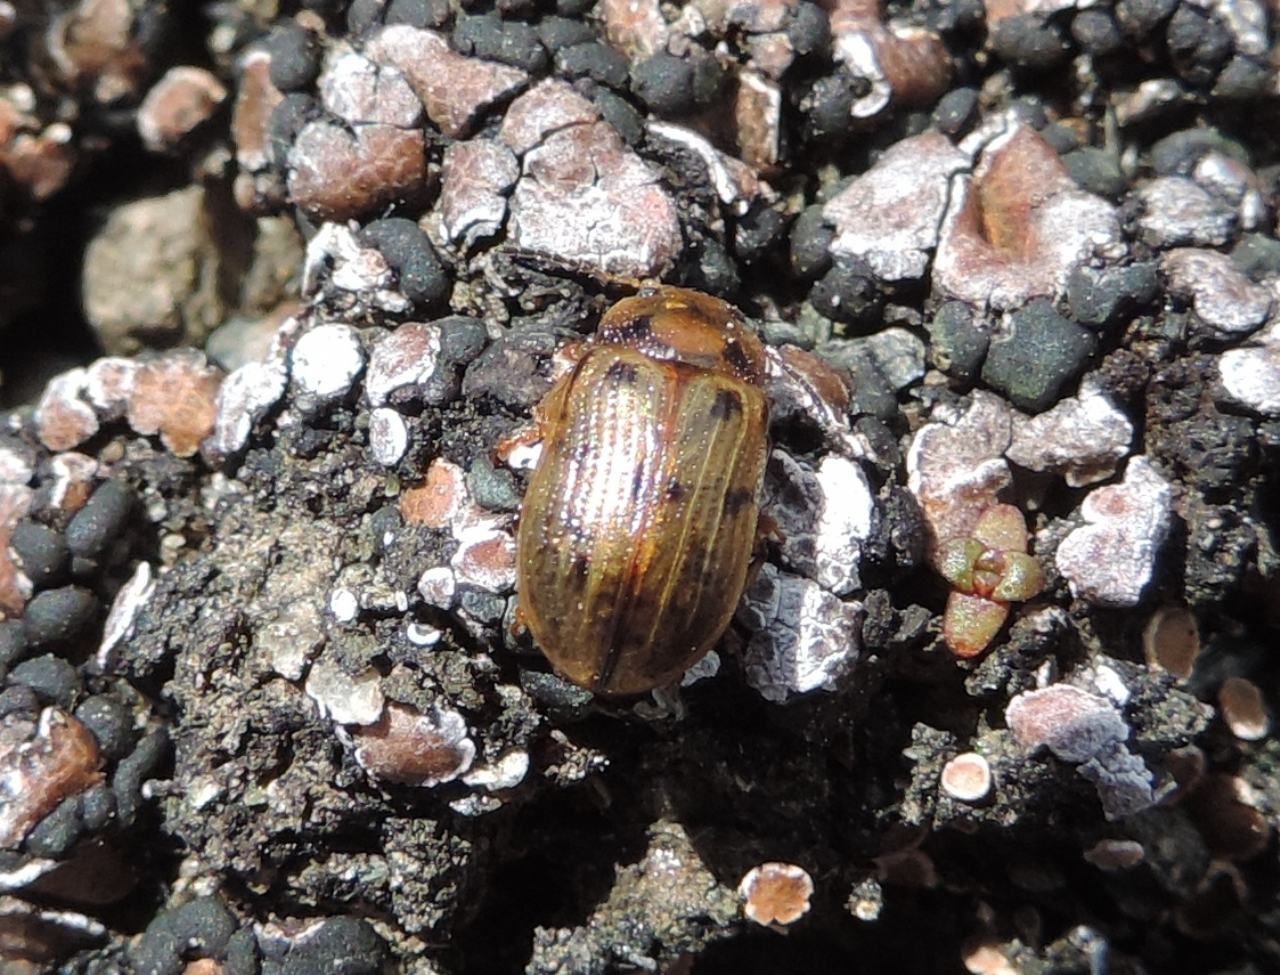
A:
[(639, 523)]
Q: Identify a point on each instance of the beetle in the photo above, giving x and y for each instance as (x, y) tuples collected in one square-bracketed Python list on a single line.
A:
[(639, 522)]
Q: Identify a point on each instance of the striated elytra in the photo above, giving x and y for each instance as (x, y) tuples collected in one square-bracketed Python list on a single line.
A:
[(639, 523)]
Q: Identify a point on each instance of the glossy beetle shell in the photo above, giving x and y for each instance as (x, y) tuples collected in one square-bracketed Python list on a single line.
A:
[(639, 522)]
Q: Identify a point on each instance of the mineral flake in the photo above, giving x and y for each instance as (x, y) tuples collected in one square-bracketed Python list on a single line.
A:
[(1110, 559), (804, 639)]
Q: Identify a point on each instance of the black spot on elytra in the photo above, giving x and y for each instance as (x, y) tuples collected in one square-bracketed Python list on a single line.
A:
[(675, 490), (637, 483), (727, 403), (737, 499), (622, 373), (635, 331), (736, 357), (581, 566)]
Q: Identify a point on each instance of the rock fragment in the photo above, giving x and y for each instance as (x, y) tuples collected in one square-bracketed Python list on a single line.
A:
[(44, 760), (244, 398), (891, 216), (583, 197), (176, 397), (1109, 560), (892, 63), (388, 436), (825, 516), (476, 178), (455, 90), (1250, 374), (325, 362), (1087, 730), (956, 466), (151, 275), (408, 747), (1176, 213), (1082, 439), (178, 104), (63, 419), (1019, 225), (804, 639), (1219, 292)]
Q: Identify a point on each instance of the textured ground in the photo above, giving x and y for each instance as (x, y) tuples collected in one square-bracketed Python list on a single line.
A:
[(276, 277)]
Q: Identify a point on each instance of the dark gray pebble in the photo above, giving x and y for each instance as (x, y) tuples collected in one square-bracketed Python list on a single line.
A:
[(757, 232), (408, 250), (716, 271), (419, 13), (342, 946), (599, 62), (1177, 154), (53, 679), (57, 616), (1042, 353), (295, 57), (241, 955), (509, 41), (1060, 137), (1100, 298), (1258, 255), (558, 32), (848, 293), (508, 369), (1097, 171), (1199, 44), (809, 29), (199, 928), (1097, 32), (134, 769), (619, 113), (97, 807), (493, 487), (956, 111), (101, 520), (1028, 41), (110, 722), (1138, 18), (364, 14), (777, 331), (13, 644), (574, 8), (287, 120), (828, 106), (55, 835), (1243, 78), (957, 345), (664, 83), (18, 698), (484, 606), (811, 238), (41, 550), (563, 701)]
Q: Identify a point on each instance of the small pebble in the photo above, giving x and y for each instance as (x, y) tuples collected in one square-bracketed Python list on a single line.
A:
[(1041, 354), (57, 616), (295, 57), (111, 724), (408, 250), (101, 520), (53, 679), (388, 436), (664, 83), (41, 551)]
